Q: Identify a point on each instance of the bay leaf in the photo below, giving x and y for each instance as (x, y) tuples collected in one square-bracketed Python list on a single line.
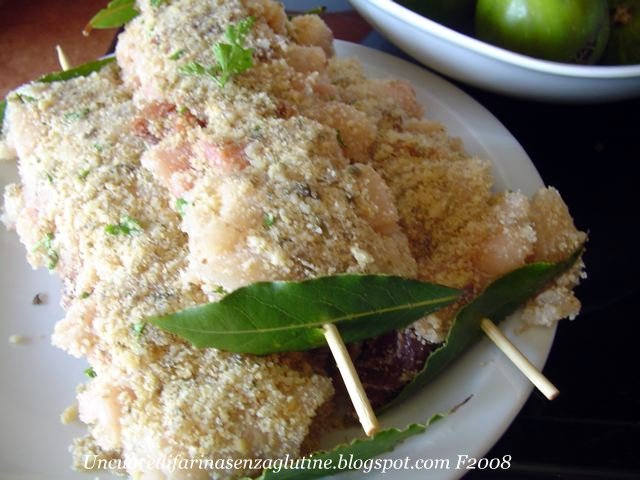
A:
[(501, 298), (116, 14), (80, 71), (353, 453), (3, 108), (270, 317)]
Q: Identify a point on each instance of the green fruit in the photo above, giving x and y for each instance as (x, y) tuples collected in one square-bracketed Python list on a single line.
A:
[(624, 37), (455, 14), (570, 31)]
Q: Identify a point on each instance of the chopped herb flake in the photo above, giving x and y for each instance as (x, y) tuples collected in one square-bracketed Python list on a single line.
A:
[(339, 137), (138, 328), (181, 204), (46, 244), (127, 226), (90, 372), (85, 295), (268, 220), (77, 115), (177, 55), (53, 259), (26, 98), (157, 3), (220, 290), (82, 174)]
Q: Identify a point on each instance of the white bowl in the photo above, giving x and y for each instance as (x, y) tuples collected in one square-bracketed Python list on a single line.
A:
[(489, 67)]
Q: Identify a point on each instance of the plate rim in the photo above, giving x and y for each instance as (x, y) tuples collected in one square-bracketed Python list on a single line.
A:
[(384, 61)]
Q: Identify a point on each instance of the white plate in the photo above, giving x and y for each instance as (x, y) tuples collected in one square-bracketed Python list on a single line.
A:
[(37, 381), (493, 68)]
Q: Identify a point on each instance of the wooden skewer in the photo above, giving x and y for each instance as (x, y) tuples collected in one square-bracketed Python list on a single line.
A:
[(526, 367), (356, 392), (63, 60)]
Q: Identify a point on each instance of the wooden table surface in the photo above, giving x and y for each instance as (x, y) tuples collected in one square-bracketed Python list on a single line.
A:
[(30, 30)]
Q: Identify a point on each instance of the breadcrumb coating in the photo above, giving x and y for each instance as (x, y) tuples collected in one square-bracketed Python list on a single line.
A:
[(149, 189), (213, 404)]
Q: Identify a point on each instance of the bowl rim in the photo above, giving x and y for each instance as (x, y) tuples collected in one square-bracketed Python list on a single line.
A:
[(500, 54)]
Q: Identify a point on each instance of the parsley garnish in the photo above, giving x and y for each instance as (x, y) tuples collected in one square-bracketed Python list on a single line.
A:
[(90, 372), (46, 244), (127, 226), (233, 58), (85, 295)]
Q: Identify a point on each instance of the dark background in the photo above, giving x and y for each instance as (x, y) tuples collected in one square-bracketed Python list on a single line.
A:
[(592, 430)]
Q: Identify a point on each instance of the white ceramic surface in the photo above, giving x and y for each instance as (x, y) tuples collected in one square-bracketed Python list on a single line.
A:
[(496, 69), (37, 381)]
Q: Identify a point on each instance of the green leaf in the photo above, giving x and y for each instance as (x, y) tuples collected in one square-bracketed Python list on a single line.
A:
[(237, 33), (232, 58), (348, 456), (3, 108), (499, 300), (80, 71), (115, 15), (269, 317)]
